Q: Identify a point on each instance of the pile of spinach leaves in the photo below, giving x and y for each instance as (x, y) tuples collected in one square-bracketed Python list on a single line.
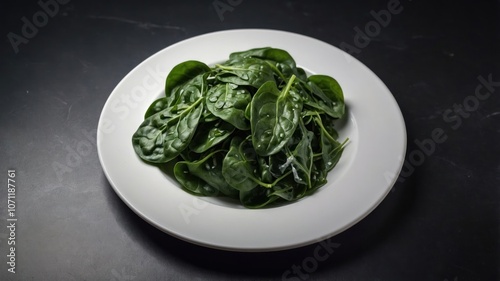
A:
[(255, 128)]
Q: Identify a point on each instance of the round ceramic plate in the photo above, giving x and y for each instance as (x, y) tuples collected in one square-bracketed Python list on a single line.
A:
[(364, 175)]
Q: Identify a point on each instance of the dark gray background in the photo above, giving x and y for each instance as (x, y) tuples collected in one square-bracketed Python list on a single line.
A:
[(441, 223)]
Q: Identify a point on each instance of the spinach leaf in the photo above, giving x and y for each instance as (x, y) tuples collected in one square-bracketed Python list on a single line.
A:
[(160, 139), (181, 129), (264, 170), (302, 157), (187, 94), (266, 53), (209, 170), (246, 71), (328, 95), (257, 197), (280, 60), (228, 102), (193, 185), (209, 135), (301, 74), (318, 175), (148, 139), (296, 159), (157, 106), (331, 148), (182, 73), (289, 189), (279, 164), (239, 165), (274, 116)]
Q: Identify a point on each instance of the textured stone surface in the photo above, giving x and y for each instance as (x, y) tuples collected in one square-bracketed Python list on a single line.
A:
[(440, 222)]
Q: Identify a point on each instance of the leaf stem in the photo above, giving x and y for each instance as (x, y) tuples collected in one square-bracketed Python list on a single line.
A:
[(270, 185)]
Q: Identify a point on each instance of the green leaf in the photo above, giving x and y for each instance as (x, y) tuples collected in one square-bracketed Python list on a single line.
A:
[(331, 148), (302, 157), (193, 185), (257, 197), (228, 102), (245, 72), (274, 116), (160, 139), (266, 53), (318, 175), (289, 189), (280, 59), (264, 170), (157, 106), (279, 163), (295, 158), (182, 73), (301, 74), (187, 94), (181, 130), (209, 170), (239, 165), (210, 134), (328, 95)]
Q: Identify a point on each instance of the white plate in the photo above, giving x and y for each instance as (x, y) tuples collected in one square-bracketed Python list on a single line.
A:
[(365, 174)]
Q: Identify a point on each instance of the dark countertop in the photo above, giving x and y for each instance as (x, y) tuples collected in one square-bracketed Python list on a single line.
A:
[(440, 222)]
